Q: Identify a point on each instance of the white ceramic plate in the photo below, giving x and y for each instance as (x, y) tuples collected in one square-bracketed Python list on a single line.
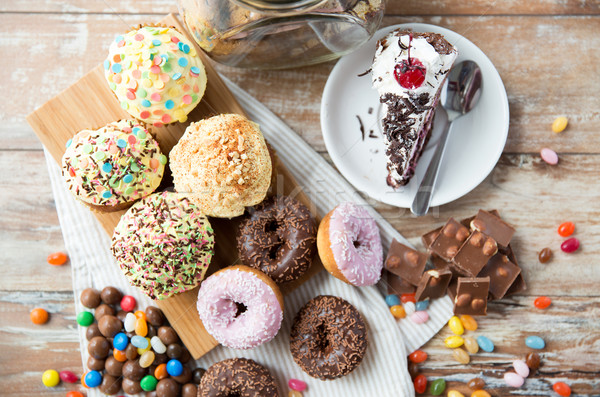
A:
[(475, 145)]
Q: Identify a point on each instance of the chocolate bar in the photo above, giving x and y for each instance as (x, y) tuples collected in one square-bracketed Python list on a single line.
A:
[(519, 284), (475, 254), (502, 273), (433, 284), (405, 262), (494, 227), (471, 295), (396, 285), (428, 238), (451, 238)]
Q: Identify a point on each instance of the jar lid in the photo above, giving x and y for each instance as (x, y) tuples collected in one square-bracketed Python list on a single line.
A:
[(280, 5)]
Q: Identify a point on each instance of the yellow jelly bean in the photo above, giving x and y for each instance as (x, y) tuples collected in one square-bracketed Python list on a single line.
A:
[(480, 393), (455, 393), (461, 356), (141, 328), (142, 351), (468, 322), (398, 311), (50, 378), (147, 359), (294, 393), (559, 124), (454, 341), (456, 325), (471, 345)]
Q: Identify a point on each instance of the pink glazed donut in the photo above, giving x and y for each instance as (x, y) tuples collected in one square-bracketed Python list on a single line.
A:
[(349, 245), (240, 307)]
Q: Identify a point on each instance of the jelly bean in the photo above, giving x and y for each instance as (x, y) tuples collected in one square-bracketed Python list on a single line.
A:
[(559, 124), (485, 343), (545, 255), (68, 376), (297, 384), (549, 156), (398, 311), (50, 378), (74, 393), (148, 383), (570, 245), (93, 379), (128, 303), (455, 393), (437, 387), (38, 316), (419, 317), (404, 298), (454, 341), (147, 359), (120, 355), (533, 361), (456, 326), (471, 345), (174, 367), (542, 302), (139, 342), (413, 370), (85, 319), (294, 393), (161, 372), (392, 300), (120, 341), (521, 368), (140, 314), (513, 380), (562, 389), (468, 322), (480, 393), (420, 384), (129, 322), (57, 258), (409, 308), (418, 356), (461, 356), (476, 384), (566, 229), (141, 328), (422, 305), (157, 345), (535, 342)]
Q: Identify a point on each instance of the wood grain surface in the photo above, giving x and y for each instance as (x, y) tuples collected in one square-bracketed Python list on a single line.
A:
[(546, 53)]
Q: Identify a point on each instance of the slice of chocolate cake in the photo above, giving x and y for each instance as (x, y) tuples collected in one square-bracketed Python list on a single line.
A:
[(408, 71)]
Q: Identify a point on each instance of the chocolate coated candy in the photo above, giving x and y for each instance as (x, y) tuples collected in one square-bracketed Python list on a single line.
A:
[(95, 364), (109, 326), (185, 377), (167, 388), (167, 335), (92, 331), (185, 356), (131, 386), (132, 370), (103, 310), (111, 295), (197, 375), (99, 347), (131, 352), (113, 367), (189, 390), (110, 385), (174, 350), (90, 298), (155, 316)]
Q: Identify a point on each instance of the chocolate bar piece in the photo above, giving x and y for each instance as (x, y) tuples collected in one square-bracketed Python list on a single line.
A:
[(405, 262), (502, 273), (494, 227), (396, 285), (475, 254), (433, 284), (471, 295), (519, 284), (428, 238), (451, 238), (452, 288)]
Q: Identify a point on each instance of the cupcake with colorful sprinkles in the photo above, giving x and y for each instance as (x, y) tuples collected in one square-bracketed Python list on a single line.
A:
[(163, 245), (110, 168), (156, 74)]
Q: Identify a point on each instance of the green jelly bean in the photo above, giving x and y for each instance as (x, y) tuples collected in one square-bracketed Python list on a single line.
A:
[(437, 387), (85, 319)]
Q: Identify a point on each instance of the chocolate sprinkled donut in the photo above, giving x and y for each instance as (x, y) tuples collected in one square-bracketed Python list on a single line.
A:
[(237, 377), (328, 337), (278, 238)]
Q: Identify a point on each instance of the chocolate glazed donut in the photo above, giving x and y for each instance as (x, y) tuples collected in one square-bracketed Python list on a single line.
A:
[(237, 377), (278, 238), (328, 338)]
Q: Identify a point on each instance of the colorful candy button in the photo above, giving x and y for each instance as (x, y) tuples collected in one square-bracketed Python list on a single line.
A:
[(50, 378), (38, 316)]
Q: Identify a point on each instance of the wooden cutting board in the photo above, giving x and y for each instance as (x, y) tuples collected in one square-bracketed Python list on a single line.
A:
[(89, 103)]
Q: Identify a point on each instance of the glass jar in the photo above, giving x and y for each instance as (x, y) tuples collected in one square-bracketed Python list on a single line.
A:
[(276, 34)]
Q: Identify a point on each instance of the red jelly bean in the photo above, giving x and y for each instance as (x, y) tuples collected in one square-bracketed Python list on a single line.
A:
[(57, 258), (128, 303), (566, 229), (418, 356), (570, 245), (562, 389), (542, 302), (68, 376), (420, 384), (405, 298), (297, 384)]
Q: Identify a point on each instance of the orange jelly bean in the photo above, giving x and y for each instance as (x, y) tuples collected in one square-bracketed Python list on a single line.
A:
[(161, 372), (57, 258), (74, 394), (418, 356), (468, 322), (141, 327), (562, 389), (38, 316), (398, 311), (480, 393), (542, 302), (566, 229), (119, 355), (140, 314)]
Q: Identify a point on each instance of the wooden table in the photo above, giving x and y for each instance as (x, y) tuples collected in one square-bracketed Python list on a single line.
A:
[(547, 54)]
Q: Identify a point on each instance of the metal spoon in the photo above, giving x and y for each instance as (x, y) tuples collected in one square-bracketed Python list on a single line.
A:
[(459, 96)]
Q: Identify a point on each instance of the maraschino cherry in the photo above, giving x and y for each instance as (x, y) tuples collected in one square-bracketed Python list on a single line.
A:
[(410, 73)]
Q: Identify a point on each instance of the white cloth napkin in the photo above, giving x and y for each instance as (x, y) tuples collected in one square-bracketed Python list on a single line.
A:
[(383, 371)]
